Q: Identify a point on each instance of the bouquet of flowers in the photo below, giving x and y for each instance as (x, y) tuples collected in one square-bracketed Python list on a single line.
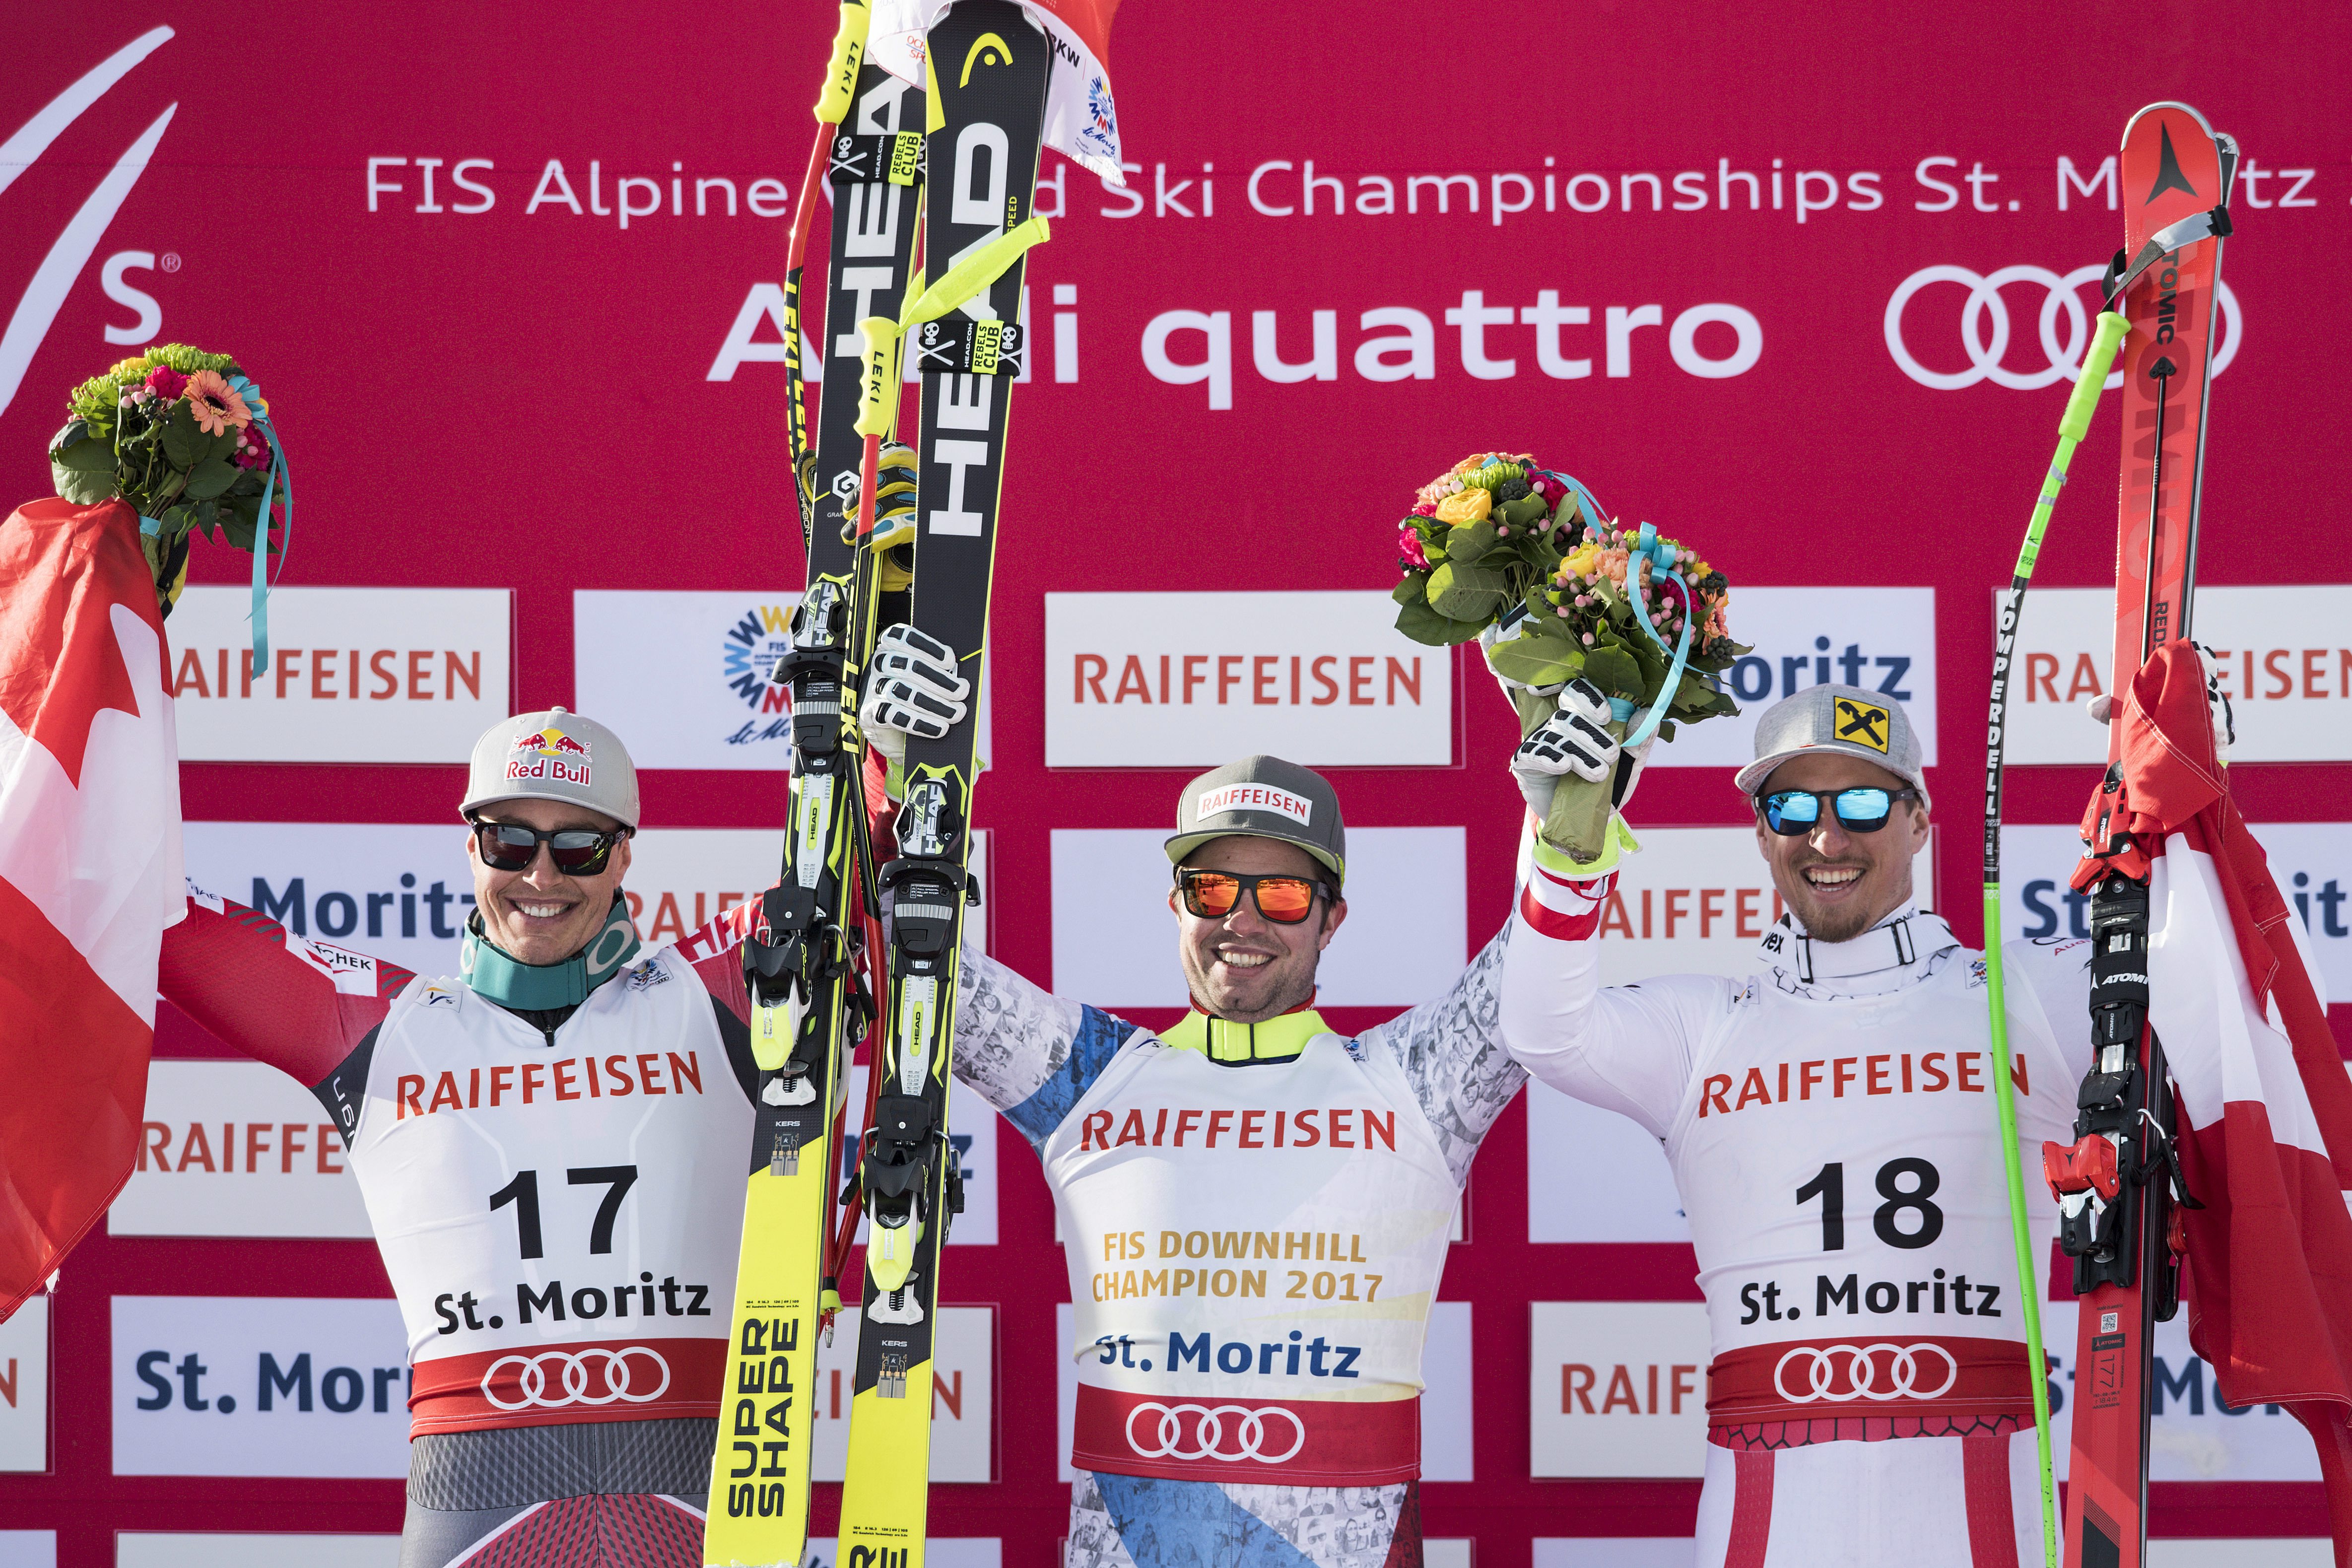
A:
[(185, 438), (1518, 556)]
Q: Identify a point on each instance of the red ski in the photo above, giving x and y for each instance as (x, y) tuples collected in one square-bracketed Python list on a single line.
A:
[(2117, 1185)]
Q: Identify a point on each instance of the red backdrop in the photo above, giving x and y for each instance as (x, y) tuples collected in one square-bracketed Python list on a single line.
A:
[(519, 399)]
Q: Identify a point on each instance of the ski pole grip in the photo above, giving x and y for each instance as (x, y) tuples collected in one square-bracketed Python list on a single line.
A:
[(841, 73), (2075, 423), (878, 390)]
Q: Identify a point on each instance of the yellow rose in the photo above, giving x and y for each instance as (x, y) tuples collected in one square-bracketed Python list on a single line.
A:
[(1464, 506)]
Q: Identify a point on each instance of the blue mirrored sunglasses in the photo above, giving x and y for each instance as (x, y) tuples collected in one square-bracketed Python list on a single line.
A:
[(1792, 812)]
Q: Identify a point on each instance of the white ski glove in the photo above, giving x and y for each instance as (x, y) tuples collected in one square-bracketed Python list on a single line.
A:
[(911, 688), (1576, 740), (2102, 708)]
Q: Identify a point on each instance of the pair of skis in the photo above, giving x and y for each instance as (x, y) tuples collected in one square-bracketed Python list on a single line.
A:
[(2117, 1183), (977, 130)]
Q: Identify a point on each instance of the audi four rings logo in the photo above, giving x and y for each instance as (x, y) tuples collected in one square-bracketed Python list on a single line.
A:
[(1822, 1364), (1208, 1432), (612, 1369), (1985, 327)]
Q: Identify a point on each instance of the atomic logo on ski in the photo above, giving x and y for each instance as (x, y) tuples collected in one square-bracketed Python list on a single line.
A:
[(2168, 176)]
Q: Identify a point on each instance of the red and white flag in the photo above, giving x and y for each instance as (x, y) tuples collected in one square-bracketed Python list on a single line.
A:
[(89, 869), (2265, 1103)]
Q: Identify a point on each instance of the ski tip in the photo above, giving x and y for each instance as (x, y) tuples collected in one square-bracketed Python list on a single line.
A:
[(2189, 110)]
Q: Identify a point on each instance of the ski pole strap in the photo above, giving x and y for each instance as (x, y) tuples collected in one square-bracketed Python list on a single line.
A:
[(2210, 225), (975, 272), (841, 72)]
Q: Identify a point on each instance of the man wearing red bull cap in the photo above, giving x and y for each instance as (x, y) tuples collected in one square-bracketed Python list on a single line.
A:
[(549, 1144), (1255, 1207)]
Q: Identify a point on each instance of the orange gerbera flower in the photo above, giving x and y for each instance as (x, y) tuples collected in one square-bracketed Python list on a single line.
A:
[(216, 404)]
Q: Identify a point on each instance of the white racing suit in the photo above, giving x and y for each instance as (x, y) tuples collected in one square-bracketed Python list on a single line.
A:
[(1254, 1236), (1832, 1131)]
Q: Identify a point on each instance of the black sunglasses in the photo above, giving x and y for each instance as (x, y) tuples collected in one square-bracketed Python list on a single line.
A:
[(576, 851), (1214, 895), (1792, 812)]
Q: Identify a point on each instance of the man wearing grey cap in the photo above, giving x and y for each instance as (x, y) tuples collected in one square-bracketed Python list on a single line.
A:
[(1255, 1208), (1831, 1125), (550, 1145)]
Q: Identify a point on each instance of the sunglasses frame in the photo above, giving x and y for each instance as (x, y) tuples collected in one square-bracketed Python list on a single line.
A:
[(1798, 829), (547, 837), (1249, 886)]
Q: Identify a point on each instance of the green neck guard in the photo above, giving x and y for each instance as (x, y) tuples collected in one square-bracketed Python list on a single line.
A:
[(1221, 1040), (536, 987)]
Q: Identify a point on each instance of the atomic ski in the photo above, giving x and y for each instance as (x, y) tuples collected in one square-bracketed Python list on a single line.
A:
[(804, 960), (2117, 1185), (988, 67)]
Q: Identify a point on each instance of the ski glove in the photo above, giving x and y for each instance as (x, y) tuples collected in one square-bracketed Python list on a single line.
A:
[(911, 688), (1487, 641), (1576, 740)]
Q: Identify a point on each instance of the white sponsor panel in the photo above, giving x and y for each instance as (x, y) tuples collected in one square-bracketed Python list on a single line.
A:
[(237, 1149), (963, 1394), (939, 1551), (260, 1386), (1446, 1551), (680, 877), (1695, 901), (1616, 1551), (2283, 654), (1166, 681), (1881, 640), (1618, 1388), (1447, 1426), (1404, 942), (683, 677), (355, 675), (28, 1549), (24, 1388), (2310, 861), (2273, 1552), (397, 891), (161, 1549)]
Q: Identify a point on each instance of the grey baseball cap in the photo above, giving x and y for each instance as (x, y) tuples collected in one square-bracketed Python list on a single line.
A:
[(554, 755), (1263, 797), (1846, 720)]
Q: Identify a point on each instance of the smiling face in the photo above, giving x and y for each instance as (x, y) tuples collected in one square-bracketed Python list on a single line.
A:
[(1246, 967), (539, 915), (1840, 884)]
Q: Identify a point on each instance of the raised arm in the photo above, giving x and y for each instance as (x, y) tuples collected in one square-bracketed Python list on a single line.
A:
[(1029, 1053), (1452, 1051), (1626, 1049), (305, 1007)]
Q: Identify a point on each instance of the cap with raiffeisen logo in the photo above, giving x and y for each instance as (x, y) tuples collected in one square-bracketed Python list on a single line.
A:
[(1843, 720), (1263, 797), (553, 755)]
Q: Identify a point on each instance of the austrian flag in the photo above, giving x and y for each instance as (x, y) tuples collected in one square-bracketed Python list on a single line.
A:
[(2266, 1143), (89, 869)]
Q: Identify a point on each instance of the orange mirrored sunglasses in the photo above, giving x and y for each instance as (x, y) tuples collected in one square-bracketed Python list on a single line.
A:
[(1286, 901)]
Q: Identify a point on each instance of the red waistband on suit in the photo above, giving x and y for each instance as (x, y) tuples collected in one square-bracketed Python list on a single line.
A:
[(1290, 1442), (1901, 1376), (545, 1385)]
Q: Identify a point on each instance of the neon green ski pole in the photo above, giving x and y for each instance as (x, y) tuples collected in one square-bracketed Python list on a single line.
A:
[(2072, 426)]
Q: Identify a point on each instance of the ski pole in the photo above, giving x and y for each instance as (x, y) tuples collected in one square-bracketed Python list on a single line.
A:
[(832, 106), (2072, 427)]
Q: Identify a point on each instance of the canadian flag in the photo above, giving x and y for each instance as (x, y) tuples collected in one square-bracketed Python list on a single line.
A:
[(2267, 1107), (89, 869)]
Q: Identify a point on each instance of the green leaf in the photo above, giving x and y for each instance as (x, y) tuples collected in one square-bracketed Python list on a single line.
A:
[(1614, 671), (1412, 588), (1424, 625), (1520, 512), (1469, 541), (1537, 661), (81, 486), (184, 444), (210, 479), (224, 444), (1462, 592)]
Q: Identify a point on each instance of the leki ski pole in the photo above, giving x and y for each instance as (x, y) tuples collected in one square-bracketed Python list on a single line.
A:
[(2072, 426)]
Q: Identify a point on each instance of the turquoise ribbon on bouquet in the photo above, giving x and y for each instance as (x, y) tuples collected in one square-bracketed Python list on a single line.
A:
[(281, 478), (1661, 556)]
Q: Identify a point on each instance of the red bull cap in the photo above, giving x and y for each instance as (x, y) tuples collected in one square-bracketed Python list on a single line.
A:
[(554, 755)]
